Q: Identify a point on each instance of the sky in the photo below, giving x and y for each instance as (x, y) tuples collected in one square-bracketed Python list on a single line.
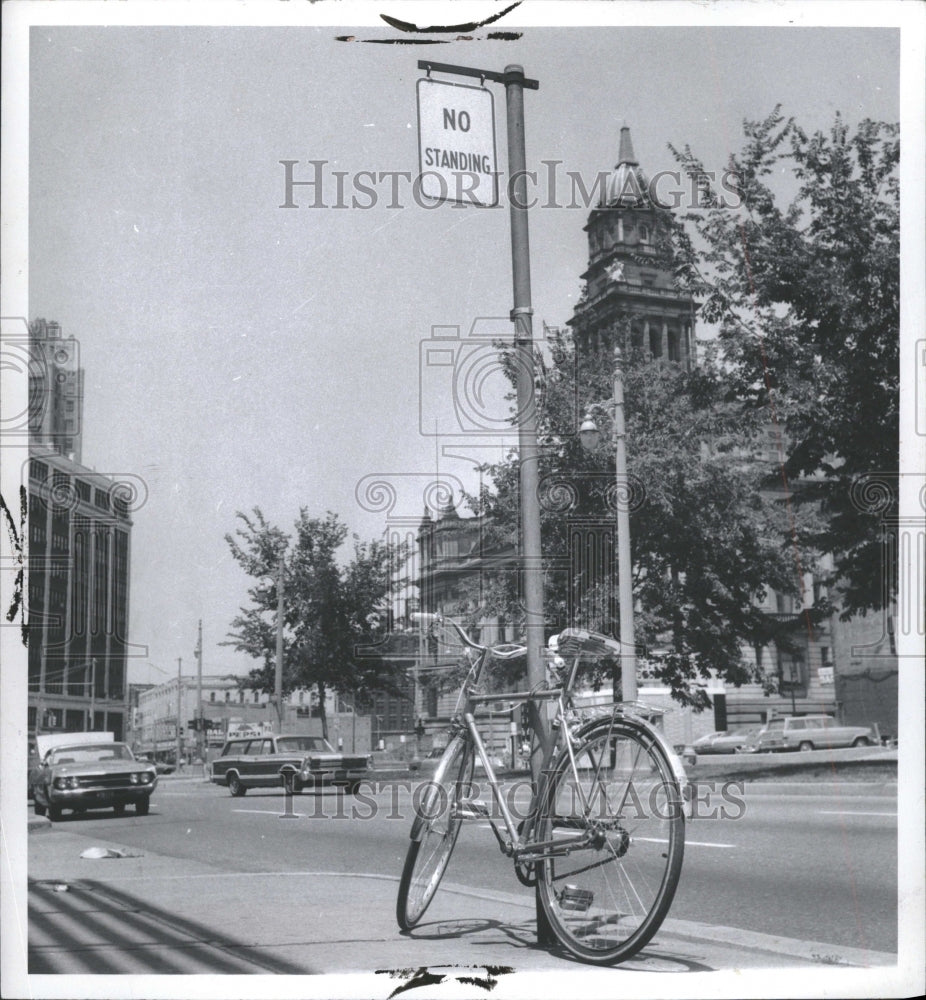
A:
[(241, 354)]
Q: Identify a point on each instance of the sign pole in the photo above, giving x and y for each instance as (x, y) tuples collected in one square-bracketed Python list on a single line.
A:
[(528, 452), (522, 317)]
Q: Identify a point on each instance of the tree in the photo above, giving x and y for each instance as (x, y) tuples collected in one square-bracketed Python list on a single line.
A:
[(706, 540), (806, 298), (333, 614)]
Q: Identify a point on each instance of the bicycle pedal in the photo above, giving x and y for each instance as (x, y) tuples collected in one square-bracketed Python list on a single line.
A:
[(576, 899)]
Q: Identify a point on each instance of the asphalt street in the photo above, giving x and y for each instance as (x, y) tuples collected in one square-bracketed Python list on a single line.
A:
[(821, 868)]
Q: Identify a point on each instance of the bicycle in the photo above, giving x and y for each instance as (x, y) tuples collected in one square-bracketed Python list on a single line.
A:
[(604, 838)]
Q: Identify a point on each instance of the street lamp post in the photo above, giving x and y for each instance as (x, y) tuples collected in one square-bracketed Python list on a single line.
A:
[(278, 671), (589, 436), (179, 711)]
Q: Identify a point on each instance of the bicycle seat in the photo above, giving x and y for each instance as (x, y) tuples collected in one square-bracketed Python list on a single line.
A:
[(578, 641)]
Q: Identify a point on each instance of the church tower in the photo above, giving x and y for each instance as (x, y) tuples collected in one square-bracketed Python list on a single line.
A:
[(629, 290)]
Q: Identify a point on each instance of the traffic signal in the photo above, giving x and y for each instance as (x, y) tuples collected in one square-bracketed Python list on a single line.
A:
[(525, 717)]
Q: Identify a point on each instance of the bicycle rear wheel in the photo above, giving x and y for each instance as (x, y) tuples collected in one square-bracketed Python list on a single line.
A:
[(605, 900), (434, 832)]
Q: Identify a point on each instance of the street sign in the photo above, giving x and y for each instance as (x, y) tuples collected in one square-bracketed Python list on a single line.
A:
[(456, 143)]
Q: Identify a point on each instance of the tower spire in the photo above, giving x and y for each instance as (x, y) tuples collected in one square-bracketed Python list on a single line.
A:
[(625, 152)]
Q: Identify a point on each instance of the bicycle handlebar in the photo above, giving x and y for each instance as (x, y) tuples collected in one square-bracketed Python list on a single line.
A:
[(570, 642), (504, 651)]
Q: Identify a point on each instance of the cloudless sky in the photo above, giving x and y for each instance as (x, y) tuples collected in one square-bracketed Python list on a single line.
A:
[(241, 354)]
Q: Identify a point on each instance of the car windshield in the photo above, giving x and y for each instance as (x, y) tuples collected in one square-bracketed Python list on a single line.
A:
[(90, 754), (287, 744)]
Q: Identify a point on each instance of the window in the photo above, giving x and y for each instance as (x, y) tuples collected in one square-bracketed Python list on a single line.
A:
[(791, 674), (240, 698), (227, 697), (644, 233), (212, 696)]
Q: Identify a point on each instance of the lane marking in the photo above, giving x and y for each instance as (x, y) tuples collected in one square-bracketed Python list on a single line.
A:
[(688, 843), (853, 812), (270, 812)]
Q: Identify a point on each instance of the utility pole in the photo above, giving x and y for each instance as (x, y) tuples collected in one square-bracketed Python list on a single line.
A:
[(179, 709), (92, 666), (278, 674), (200, 735)]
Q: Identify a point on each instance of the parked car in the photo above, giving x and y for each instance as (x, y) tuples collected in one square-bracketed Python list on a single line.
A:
[(295, 762), (812, 732), (90, 772), (724, 742), (807, 732)]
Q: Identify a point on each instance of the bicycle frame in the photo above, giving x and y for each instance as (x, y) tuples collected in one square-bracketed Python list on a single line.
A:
[(519, 846)]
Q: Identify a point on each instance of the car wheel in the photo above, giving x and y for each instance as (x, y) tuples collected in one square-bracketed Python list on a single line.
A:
[(805, 745), (54, 813), (119, 808), (142, 806), (861, 741), (38, 807), (235, 786)]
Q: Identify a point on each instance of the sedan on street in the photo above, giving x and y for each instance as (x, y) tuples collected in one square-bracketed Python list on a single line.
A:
[(724, 742), (91, 773), (295, 762)]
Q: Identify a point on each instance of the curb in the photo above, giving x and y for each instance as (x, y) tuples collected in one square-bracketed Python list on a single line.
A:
[(39, 824), (834, 789)]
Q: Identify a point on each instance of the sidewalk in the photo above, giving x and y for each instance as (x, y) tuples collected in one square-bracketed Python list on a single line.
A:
[(157, 914)]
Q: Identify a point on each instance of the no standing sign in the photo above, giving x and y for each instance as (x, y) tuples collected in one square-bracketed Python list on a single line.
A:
[(456, 143)]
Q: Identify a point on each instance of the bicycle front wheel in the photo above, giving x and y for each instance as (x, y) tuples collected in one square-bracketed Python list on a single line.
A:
[(618, 813), (434, 831)]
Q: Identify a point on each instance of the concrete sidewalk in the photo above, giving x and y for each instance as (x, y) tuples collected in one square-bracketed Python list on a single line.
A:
[(156, 914)]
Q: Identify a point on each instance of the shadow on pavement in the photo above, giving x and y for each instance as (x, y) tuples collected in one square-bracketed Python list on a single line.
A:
[(89, 927), (524, 935)]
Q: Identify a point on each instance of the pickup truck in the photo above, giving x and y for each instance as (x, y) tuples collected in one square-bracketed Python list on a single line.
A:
[(295, 762), (812, 732)]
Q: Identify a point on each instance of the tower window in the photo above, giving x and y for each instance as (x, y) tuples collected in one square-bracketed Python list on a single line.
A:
[(644, 233)]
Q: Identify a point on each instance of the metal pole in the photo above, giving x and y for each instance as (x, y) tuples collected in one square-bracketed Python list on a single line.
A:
[(200, 735), (278, 674), (624, 570), (92, 692), (179, 710), (521, 314)]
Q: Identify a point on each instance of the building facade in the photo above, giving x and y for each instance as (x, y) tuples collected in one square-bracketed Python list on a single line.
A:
[(78, 533), (168, 712), (79, 536)]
